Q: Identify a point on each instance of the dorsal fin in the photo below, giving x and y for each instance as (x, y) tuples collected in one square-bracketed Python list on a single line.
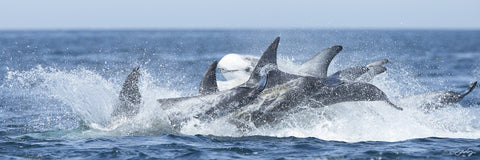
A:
[(317, 66), (267, 62), (130, 91), (208, 84), (129, 96)]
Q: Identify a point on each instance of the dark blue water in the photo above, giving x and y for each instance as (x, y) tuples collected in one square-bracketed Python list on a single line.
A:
[(56, 85)]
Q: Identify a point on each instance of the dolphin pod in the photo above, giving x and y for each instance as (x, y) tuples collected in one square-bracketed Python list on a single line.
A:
[(319, 64), (269, 94)]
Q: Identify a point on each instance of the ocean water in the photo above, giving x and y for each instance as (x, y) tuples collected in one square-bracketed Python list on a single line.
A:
[(58, 89)]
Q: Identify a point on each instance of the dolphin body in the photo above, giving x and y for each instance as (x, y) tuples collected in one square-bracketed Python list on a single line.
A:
[(438, 99), (293, 96), (450, 97)]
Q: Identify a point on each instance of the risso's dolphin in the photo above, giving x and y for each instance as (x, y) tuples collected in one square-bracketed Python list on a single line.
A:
[(439, 99), (274, 104)]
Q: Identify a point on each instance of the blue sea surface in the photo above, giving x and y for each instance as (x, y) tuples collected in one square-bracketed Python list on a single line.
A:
[(56, 87)]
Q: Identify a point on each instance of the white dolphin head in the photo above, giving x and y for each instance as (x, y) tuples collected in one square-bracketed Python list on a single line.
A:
[(235, 66)]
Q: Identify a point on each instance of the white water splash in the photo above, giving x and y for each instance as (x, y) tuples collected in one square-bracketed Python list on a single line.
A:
[(92, 98)]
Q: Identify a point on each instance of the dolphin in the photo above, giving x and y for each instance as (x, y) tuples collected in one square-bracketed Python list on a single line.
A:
[(439, 99), (276, 103), (451, 97)]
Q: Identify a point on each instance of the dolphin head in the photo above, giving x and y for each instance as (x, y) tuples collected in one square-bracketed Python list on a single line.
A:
[(234, 66)]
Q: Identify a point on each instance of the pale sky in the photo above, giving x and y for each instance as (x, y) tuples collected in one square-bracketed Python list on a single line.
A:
[(240, 14)]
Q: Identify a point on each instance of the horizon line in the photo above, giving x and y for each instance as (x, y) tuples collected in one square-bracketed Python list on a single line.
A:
[(228, 28)]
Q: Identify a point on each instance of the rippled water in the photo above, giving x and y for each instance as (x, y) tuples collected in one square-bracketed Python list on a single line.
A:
[(57, 87)]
